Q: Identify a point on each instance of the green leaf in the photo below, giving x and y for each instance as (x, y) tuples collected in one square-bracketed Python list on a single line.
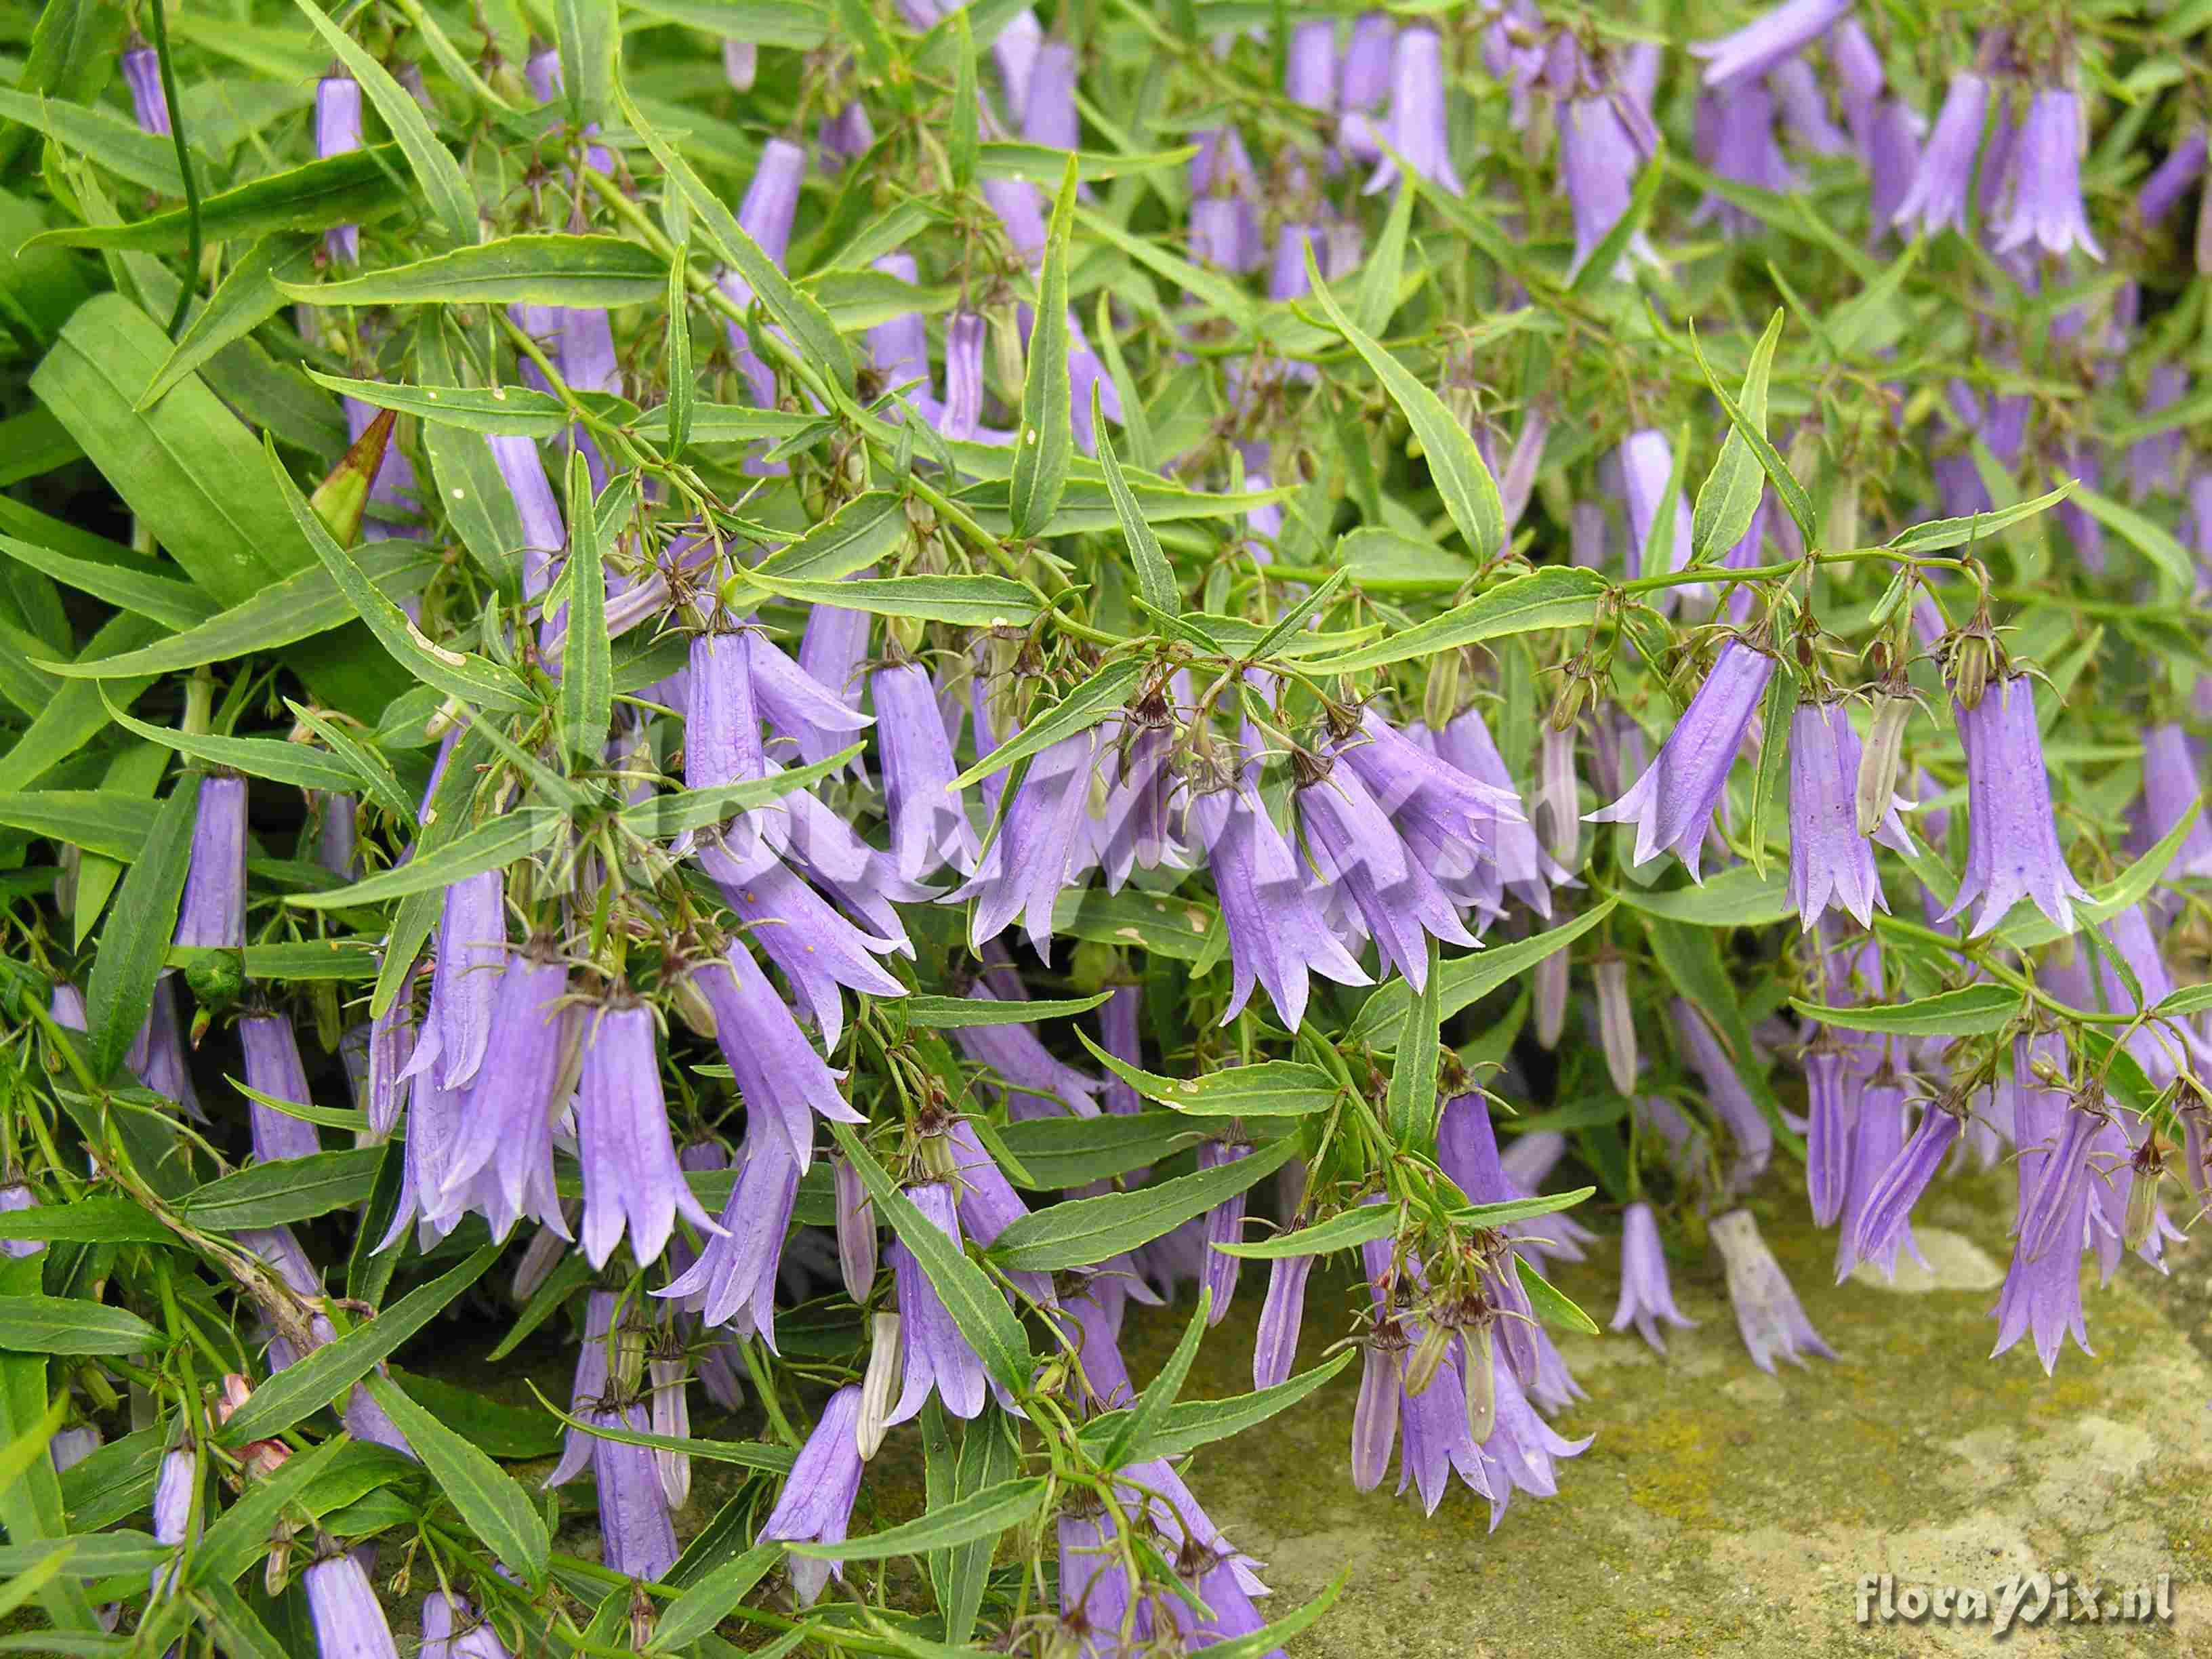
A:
[(1466, 979), (2153, 540), (261, 757), (954, 1013), (1455, 466), (751, 1454), (1083, 1230), (238, 1539), (1970, 1011), (136, 935), (497, 411), (247, 297), (1160, 1392), (1062, 1153), (965, 139), (344, 189), (548, 267), (1346, 1230), (1098, 698), (1378, 298), (1046, 440), (1550, 1304), (1787, 489), (1739, 898), (167, 600), (1412, 1100), (57, 1324), (99, 1555), (985, 1514), (664, 817), (968, 1296), (1770, 784), (1557, 596), (1732, 489), (443, 182), (475, 679), (497, 1512), (696, 1611), (289, 1189), (93, 1220), (1937, 534), (492, 846), (315, 1380), (974, 601), (103, 821), (682, 379), (1268, 1088), (111, 141), (587, 685), (591, 45), (1190, 1424)]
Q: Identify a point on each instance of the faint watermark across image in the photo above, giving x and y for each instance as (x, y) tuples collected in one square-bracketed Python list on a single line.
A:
[(2021, 1599)]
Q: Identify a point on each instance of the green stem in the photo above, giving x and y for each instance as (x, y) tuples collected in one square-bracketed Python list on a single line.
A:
[(184, 166)]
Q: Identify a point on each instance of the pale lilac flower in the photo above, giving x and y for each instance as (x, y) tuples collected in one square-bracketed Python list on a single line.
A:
[(1374, 1413), (1357, 854), (1735, 138), (1416, 126), (1025, 869), (817, 949), (142, 73), (72, 1445), (740, 64), (637, 1538), (1671, 804), (606, 1363), (1224, 1225), (471, 954), (1517, 859), (1523, 1447), (817, 1502), (1598, 165), (1225, 211), (801, 703), (1767, 1312), (770, 204), (1094, 1590), (1883, 1218), (1646, 1297), (15, 1197), (1831, 1120), (962, 415), (929, 825), (506, 1131), (1447, 817), (1938, 197), (1032, 1072), (212, 914), (1049, 114), (453, 1629), (1647, 469), (938, 1357), (2012, 841), (2042, 1293), (1860, 78), (1275, 935), (337, 130), (845, 136), (273, 1068), (2169, 181), (631, 1178), (783, 1081), (159, 1057), (1805, 108), (1759, 45), (348, 1620), (2171, 787), (2044, 204), (1830, 862), (736, 1272), (1274, 1349), (1877, 1139), (1892, 159), (544, 536), (2153, 460), (1310, 66)]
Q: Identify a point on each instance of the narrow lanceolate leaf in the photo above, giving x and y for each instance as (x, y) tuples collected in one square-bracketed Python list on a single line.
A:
[(1732, 489), (146, 160), (974, 601), (260, 757), (953, 1014), (1160, 1392), (240, 1539), (493, 846), (136, 935), (475, 679), (590, 44), (1269, 1638), (104, 821), (667, 816), (58, 1324), (1097, 699), (1089, 1230), (975, 1305), (1462, 477), (1378, 298), (1556, 597), (288, 1190), (1343, 1231), (338, 190), (682, 379), (1970, 1011), (1521, 1209), (748, 1455), (1466, 978), (1190, 1423), (516, 412), (1156, 578), (1412, 1100), (587, 683), (247, 297), (1046, 442), (696, 1611), (2145, 535), (964, 141), (547, 269), (93, 1220), (985, 1514), (1268, 1088), (1770, 786), (316, 1380), (497, 1511), (1787, 489), (1937, 534), (167, 600), (1551, 1304)]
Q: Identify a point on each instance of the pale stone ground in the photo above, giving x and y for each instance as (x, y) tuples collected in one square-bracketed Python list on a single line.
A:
[(1721, 1511)]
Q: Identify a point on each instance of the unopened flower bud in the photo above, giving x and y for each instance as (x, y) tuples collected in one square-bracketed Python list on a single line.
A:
[(1479, 1370), (856, 1231), (1008, 364), (539, 1258), (691, 1006), (1616, 1025), (879, 1387), (1374, 1417), (1558, 796), (1550, 996), (1428, 1357), (1440, 697), (671, 1418), (1969, 670), (1881, 760)]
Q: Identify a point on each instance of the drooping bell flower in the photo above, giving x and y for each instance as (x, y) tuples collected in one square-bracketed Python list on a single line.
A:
[(636, 1537), (1598, 165), (1751, 52), (817, 949), (544, 536), (1830, 862), (1416, 127), (740, 62), (72, 1445), (2043, 207), (1892, 159), (1275, 1348), (938, 1357), (338, 131), (2012, 839), (1275, 935), (1025, 869), (1877, 1140), (453, 1629), (929, 826), (1310, 66), (1049, 114), (159, 1057), (2161, 190), (770, 204), (798, 702), (1516, 854), (1647, 473), (142, 73), (1938, 196), (1034, 1074), (506, 1131), (1375, 1412), (736, 1272), (783, 1081), (471, 954), (1768, 1315), (1832, 1089), (1735, 138), (212, 914), (1446, 815), (1519, 1453), (1224, 1225), (631, 1178), (1355, 850), (1366, 83), (434, 1125), (14, 1196), (348, 1620), (845, 137), (817, 1502), (1883, 1218), (1860, 77), (2152, 459), (606, 1365), (1646, 1296), (1672, 805), (273, 1068), (1225, 211), (2042, 1293), (1804, 109)]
